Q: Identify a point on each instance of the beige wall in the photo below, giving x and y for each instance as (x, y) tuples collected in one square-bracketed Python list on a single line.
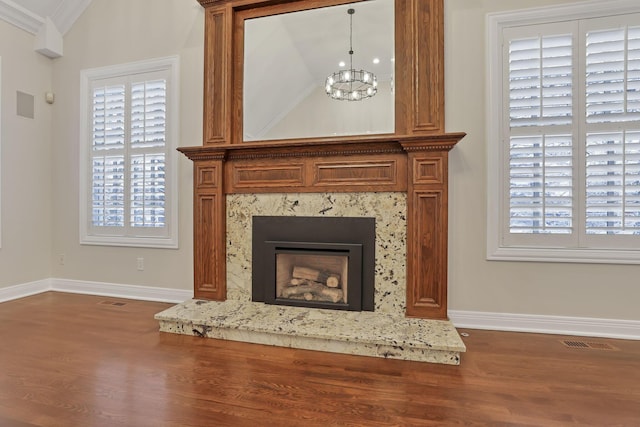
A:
[(583, 290), (113, 32), (25, 152), (117, 31)]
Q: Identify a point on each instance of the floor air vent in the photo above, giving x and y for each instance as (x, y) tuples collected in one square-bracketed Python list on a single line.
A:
[(115, 303), (587, 344)]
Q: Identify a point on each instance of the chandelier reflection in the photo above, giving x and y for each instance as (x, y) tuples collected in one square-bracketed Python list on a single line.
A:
[(351, 84)]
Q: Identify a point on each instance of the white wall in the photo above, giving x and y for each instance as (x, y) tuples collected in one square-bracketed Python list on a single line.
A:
[(580, 290), (114, 32), (26, 162)]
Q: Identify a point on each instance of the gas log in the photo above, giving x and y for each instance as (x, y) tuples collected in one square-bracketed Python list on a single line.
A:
[(332, 280), (309, 274), (318, 291)]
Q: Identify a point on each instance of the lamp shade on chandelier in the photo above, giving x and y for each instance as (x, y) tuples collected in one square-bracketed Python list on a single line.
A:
[(351, 84)]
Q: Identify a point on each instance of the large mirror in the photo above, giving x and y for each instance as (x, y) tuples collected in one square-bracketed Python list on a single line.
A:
[(289, 57)]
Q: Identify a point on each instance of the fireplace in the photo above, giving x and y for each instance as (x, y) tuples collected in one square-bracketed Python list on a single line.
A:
[(400, 179), (320, 262)]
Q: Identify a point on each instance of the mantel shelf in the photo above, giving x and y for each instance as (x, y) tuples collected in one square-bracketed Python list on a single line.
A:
[(324, 147)]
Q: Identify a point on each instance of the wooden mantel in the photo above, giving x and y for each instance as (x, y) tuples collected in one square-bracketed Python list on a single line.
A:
[(413, 160)]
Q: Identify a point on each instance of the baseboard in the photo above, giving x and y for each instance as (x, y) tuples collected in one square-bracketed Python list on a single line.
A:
[(25, 290), (144, 293), (559, 325)]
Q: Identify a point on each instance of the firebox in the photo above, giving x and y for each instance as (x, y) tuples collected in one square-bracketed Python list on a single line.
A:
[(319, 262)]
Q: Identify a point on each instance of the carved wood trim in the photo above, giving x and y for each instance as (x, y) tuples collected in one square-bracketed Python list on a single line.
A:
[(428, 66), (331, 147), (432, 142), (427, 230), (217, 69), (205, 3), (207, 177), (254, 177), (317, 174), (428, 171), (427, 259), (209, 212), (366, 172), (419, 66)]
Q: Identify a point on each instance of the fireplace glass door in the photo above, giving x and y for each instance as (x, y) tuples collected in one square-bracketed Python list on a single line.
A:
[(315, 276), (324, 275)]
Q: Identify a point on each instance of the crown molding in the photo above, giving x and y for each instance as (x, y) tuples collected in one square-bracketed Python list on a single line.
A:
[(22, 18), (66, 14)]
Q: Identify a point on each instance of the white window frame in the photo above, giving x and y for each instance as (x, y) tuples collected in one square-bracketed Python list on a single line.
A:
[(111, 237), (498, 246)]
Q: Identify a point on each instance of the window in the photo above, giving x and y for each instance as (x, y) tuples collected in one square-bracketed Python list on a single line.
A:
[(564, 133), (128, 167)]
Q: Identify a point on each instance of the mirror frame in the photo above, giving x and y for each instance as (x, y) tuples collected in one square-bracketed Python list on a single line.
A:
[(419, 53)]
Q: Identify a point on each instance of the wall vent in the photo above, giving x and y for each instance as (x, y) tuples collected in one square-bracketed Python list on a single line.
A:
[(25, 105)]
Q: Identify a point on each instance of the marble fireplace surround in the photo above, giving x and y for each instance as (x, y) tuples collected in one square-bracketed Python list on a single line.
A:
[(388, 209)]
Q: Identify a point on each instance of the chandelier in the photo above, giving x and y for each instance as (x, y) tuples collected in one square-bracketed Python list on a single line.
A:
[(351, 84)]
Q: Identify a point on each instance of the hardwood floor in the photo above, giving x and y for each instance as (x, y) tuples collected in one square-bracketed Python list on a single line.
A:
[(74, 360)]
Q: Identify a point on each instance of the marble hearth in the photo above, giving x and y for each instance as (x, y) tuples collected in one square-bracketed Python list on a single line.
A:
[(385, 332), (358, 333)]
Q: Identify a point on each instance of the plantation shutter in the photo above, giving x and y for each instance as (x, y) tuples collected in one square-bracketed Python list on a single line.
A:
[(129, 155), (612, 89), (108, 153), (539, 87), (148, 137)]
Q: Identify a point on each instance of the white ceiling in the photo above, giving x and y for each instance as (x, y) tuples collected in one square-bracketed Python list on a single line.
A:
[(30, 15)]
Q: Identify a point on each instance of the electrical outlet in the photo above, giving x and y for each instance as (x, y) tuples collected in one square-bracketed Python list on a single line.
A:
[(61, 259), (140, 262)]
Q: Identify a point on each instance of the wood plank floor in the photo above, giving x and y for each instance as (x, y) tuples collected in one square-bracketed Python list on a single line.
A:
[(74, 360)]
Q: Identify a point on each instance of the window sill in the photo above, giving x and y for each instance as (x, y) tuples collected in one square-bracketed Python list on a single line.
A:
[(564, 255), (134, 242)]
